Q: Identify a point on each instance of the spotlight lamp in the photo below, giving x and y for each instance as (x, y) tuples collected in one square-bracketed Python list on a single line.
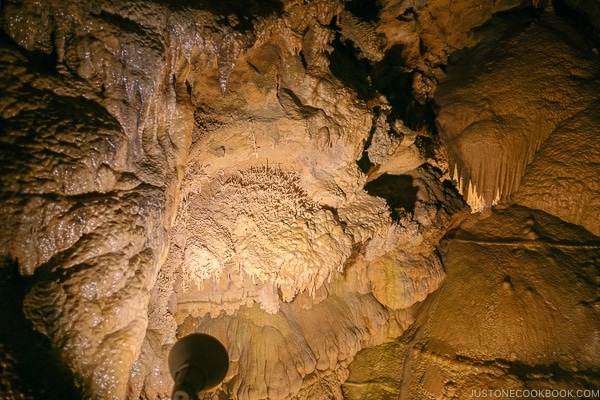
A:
[(197, 362)]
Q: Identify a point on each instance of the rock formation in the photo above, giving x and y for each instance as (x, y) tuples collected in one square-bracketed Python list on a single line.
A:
[(360, 199)]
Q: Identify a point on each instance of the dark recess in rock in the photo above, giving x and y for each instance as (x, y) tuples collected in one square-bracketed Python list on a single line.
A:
[(367, 10), (364, 163), (40, 375), (37, 61), (588, 29), (348, 67), (393, 78), (397, 190)]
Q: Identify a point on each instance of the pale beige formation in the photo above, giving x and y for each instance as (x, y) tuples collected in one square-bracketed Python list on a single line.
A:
[(509, 97), (294, 178)]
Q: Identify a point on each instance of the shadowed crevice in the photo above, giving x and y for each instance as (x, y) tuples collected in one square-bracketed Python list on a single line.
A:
[(398, 191), (32, 366)]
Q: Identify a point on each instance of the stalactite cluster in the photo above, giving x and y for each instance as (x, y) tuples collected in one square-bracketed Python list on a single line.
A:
[(359, 199)]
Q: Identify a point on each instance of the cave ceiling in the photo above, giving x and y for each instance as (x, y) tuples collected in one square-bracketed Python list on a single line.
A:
[(359, 199)]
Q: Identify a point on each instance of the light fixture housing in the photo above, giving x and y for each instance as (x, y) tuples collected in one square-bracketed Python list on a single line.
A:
[(197, 362)]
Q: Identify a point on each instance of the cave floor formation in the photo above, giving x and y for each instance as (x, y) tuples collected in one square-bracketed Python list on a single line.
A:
[(362, 200)]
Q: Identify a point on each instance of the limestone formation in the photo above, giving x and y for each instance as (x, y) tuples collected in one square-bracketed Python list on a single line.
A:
[(568, 187), (292, 177), (516, 312), (508, 99)]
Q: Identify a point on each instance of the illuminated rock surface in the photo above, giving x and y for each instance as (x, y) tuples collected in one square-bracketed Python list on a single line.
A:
[(518, 310), (271, 173), (506, 97)]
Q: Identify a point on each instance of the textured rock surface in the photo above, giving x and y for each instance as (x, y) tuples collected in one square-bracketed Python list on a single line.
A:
[(518, 310), (562, 179), (269, 173), (100, 106), (76, 217), (506, 97), (93, 135)]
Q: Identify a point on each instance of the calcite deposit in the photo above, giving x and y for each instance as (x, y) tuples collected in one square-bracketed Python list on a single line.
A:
[(510, 96), (517, 310), (359, 199)]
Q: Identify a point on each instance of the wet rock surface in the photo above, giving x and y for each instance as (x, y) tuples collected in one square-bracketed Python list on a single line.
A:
[(271, 173)]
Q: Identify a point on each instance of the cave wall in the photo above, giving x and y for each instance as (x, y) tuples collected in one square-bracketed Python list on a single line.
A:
[(505, 98), (516, 314), (269, 173)]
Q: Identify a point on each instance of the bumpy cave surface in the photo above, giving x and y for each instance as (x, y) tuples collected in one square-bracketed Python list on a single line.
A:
[(360, 199)]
